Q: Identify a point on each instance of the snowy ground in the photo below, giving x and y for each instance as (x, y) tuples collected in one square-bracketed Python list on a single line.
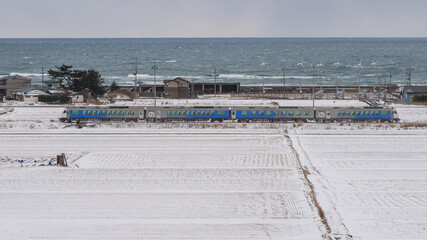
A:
[(371, 186), (187, 185), (212, 181)]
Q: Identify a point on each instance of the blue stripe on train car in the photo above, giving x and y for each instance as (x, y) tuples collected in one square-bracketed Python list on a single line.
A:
[(254, 114), (80, 115), (197, 114), (372, 115), (84, 114)]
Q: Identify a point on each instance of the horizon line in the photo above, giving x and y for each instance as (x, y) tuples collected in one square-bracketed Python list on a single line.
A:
[(212, 37)]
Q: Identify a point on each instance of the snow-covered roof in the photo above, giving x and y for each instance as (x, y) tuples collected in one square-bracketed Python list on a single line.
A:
[(26, 90)]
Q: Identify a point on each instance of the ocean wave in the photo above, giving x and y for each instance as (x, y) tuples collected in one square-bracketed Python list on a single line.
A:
[(27, 74)]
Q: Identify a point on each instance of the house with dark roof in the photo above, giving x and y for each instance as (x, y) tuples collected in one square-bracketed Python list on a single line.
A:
[(410, 91), (10, 83), (30, 94), (176, 88)]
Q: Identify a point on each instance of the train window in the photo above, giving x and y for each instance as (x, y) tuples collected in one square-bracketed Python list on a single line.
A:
[(207, 112), (132, 113), (384, 113), (356, 113), (169, 113), (298, 113), (188, 112), (276, 113), (75, 112), (268, 113), (352, 113), (244, 113), (261, 113), (221, 112), (253, 112), (84, 112), (212, 112), (127, 112), (113, 112), (377, 113), (305, 113), (102, 112), (197, 112), (347, 113), (284, 113), (193, 112), (202, 112), (108, 112), (141, 113), (291, 113)]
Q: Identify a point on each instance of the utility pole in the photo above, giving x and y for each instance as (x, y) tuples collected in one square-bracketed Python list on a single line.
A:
[(136, 74), (359, 80), (263, 75), (378, 84), (409, 76), (284, 82), (42, 76), (313, 88), (214, 82), (154, 87), (389, 84)]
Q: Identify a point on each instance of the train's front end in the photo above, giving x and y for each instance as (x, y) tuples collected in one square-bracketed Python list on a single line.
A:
[(64, 115), (395, 115)]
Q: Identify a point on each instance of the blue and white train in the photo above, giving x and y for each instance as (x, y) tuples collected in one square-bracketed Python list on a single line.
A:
[(234, 113)]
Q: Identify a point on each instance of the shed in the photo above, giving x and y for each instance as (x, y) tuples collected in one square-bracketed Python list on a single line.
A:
[(410, 91), (176, 88)]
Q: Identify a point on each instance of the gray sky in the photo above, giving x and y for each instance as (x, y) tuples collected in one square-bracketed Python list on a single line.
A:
[(213, 18)]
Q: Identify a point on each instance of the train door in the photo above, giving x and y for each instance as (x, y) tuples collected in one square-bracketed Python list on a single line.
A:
[(233, 114), (158, 114), (328, 115)]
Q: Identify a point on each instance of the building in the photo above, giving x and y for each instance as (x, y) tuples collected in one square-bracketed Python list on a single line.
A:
[(53, 83), (30, 94), (10, 83), (410, 91), (176, 88)]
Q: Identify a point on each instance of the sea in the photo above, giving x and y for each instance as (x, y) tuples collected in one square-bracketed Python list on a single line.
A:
[(250, 61)]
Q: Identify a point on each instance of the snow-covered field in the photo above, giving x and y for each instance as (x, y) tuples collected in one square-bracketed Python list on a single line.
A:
[(212, 181), (184, 185), (374, 185)]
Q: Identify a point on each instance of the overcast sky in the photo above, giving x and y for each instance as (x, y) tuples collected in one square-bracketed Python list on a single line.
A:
[(212, 18)]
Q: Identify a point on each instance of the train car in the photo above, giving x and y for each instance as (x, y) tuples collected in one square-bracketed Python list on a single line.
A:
[(272, 114), (356, 114), (197, 113), (85, 113)]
